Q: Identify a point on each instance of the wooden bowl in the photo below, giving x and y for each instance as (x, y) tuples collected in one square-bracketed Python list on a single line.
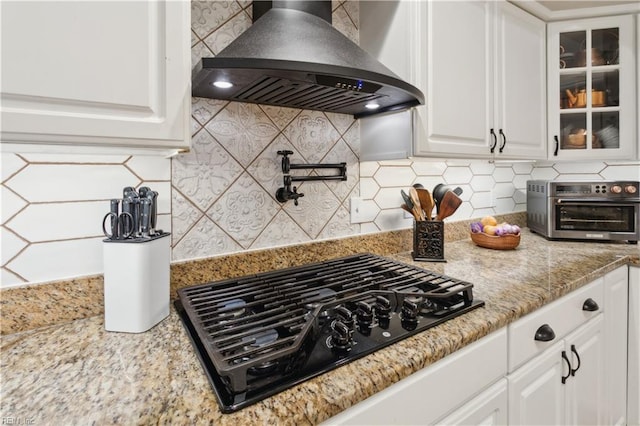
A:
[(506, 242)]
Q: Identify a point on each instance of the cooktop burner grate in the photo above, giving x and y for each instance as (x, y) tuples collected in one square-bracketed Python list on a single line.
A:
[(259, 334)]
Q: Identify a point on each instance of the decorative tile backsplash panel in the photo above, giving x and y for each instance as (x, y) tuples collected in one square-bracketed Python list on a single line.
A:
[(220, 197), (224, 189)]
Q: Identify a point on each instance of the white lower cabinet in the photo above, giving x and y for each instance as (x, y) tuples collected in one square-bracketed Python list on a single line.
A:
[(488, 408), (577, 374), (573, 361), (435, 391), (633, 394), (564, 385), (536, 394), (618, 300)]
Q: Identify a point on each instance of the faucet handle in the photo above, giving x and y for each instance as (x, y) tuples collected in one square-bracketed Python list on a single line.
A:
[(294, 195), (286, 163), (285, 193)]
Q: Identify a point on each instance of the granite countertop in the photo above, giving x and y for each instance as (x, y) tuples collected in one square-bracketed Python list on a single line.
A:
[(77, 373)]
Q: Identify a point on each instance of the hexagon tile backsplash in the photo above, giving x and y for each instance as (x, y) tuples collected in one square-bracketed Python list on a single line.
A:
[(220, 197)]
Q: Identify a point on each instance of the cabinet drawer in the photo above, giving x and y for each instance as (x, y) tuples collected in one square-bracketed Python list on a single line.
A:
[(436, 390), (562, 315)]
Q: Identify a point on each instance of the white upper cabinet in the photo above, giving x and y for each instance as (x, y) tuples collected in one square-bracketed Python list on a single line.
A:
[(482, 69), (96, 73), (520, 101), (457, 79), (592, 89)]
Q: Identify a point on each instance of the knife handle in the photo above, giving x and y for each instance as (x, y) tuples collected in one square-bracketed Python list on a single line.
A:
[(114, 206), (153, 220), (132, 206), (143, 191), (129, 191), (145, 217)]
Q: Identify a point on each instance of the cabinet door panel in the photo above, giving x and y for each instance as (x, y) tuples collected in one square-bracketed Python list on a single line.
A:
[(585, 388), (616, 321), (521, 83), (591, 87), (536, 393), (88, 72), (633, 397), (459, 78)]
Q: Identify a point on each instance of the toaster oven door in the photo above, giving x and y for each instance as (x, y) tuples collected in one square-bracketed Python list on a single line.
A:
[(595, 219)]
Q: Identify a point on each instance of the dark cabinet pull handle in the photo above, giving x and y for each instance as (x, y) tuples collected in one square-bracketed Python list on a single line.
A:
[(555, 152), (545, 333), (573, 370), (564, 378), (504, 140), (590, 305), (495, 141)]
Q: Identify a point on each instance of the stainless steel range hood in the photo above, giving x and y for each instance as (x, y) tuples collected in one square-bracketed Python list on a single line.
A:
[(292, 56)]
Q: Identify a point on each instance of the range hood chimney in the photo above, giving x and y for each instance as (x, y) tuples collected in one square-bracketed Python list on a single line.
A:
[(293, 57)]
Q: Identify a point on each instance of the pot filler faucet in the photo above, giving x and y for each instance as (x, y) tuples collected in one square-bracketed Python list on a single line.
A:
[(286, 193)]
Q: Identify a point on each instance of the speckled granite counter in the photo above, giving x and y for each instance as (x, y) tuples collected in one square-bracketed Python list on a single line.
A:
[(34, 306), (76, 373)]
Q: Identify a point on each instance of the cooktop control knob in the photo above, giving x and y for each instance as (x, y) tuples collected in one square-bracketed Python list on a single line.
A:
[(382, 307), (345, 316), (616, 189), (341, 336), (630, 189), (409, 313), (364, 313)]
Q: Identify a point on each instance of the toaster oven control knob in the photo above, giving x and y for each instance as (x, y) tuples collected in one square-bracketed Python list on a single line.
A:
[(345, 316), (616, 189), (630, 189), (382, 307), (341, 336), (364, 312)]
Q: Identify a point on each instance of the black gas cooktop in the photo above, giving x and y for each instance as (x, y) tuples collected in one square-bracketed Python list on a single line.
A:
[(261, 334)]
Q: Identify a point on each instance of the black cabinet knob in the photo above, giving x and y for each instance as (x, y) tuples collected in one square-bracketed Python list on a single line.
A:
[(545, 333), (590, 305)]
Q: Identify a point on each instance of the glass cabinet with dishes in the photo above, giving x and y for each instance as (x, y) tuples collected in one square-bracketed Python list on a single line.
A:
[(591, 89)]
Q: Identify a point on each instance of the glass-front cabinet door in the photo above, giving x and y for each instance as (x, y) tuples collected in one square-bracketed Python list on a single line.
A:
[(591, 89)]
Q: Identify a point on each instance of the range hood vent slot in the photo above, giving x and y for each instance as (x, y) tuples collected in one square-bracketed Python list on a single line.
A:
[(292, 57), (277, 91)]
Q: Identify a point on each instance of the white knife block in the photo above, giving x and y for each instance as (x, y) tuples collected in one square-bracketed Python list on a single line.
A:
[(136, 283)]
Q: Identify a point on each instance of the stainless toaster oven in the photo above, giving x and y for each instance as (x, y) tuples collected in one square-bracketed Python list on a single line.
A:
[(584, 210)]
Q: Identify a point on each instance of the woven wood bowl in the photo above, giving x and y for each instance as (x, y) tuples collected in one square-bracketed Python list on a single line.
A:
[(506, 242)]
